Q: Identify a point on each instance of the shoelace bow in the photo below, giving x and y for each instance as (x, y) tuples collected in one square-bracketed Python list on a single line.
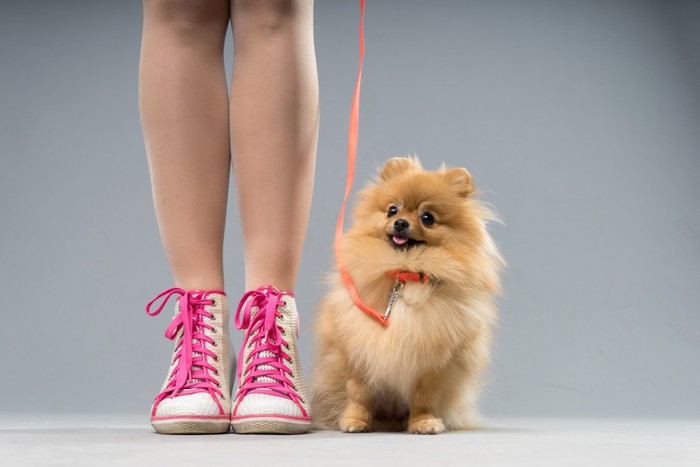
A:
[(266, 371), (193, 372)]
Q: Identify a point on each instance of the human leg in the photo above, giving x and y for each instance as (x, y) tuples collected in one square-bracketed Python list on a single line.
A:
[(274, 130), (184, 113)]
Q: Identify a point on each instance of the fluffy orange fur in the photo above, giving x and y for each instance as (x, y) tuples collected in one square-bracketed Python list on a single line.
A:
[(422, 372)]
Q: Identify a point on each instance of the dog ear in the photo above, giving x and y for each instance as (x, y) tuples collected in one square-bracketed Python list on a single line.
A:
[(461, 179), (398, 165)]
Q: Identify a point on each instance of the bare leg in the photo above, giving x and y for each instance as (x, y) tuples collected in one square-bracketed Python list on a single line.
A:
[(274, 131), (184, 114)]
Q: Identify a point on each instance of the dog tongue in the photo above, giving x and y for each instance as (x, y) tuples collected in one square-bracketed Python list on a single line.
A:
[(399, 240)]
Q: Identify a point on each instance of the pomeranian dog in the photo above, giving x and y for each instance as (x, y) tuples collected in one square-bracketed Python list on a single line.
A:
[(418, 240)]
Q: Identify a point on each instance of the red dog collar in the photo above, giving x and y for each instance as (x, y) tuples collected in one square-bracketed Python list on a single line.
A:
[(406, 276)]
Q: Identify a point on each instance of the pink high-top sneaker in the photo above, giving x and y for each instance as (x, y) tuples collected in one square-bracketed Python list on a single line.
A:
[(271, 396), (196, 394)]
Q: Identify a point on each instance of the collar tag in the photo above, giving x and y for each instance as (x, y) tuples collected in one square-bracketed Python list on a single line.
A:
[(398, 287)]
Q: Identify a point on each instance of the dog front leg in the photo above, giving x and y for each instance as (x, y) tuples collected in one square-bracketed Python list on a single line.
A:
[(422, 419), (357, 416)]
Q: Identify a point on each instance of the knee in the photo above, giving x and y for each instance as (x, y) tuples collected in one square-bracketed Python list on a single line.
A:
[(262, 18), (187, 17)]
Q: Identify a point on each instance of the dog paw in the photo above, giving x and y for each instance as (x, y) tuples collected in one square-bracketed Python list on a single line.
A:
[(426, 426), (353, 425)]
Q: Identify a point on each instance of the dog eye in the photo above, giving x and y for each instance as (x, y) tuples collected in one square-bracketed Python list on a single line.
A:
[(393, 210), (427, 219)]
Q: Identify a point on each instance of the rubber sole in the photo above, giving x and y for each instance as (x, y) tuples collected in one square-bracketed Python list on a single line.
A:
[(271, 425), (190, 426)]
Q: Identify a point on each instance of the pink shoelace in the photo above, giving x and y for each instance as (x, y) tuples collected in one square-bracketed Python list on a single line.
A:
[(266, 371), (193, 373)]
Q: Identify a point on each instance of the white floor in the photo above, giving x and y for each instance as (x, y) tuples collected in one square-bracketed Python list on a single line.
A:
[(129, 441)]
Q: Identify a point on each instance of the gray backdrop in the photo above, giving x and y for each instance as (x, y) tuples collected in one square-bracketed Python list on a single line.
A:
[(578, 119)]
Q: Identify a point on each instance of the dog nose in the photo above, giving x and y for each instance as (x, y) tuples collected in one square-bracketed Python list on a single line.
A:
[(400, 225)]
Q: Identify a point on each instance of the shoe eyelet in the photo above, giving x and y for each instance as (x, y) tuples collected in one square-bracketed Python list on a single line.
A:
[(284, 302), (214, 331), (284, 333)]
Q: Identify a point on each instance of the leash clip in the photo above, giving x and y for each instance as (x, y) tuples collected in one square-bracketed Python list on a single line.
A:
[(398, 287)]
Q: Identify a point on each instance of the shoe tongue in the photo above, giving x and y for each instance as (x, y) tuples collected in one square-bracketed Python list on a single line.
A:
[(264, 354), (265, 379), (196, 356)]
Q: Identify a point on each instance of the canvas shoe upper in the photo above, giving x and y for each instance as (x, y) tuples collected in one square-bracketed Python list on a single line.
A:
[(272, 394), (196, 394)]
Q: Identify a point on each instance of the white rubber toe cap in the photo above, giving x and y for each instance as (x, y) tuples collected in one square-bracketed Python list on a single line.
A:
[(191, 404)]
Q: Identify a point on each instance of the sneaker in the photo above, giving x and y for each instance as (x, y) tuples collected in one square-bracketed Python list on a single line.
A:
[(271, 396), (196, 394)]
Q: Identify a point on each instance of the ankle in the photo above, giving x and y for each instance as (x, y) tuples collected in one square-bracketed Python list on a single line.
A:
[(283, 285), (200, 283)]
